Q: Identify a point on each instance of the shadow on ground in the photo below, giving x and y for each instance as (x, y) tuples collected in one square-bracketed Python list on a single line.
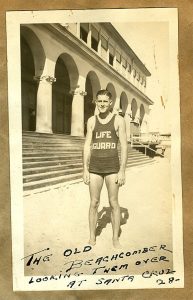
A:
[(104, 217)]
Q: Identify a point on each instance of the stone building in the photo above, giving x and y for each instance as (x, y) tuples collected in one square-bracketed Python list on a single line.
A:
[(64, 65)]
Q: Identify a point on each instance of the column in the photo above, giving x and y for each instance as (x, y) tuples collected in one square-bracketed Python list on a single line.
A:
[(77, 122), (44, 103), (127, 121), (137, 116), (137, 119), (107, 57), (89, 36), (78, 30), (99, 44)]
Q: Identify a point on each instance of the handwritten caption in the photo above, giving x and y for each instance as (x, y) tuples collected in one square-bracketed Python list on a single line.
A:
[(107, 265)]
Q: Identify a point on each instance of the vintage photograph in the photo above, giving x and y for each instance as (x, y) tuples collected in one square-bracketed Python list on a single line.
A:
[(94, 126)]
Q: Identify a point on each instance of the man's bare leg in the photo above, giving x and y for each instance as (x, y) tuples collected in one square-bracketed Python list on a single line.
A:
[(95, 186), (113, 188)]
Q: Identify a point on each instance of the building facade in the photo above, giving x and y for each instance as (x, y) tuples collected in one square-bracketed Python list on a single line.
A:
[(64, 65)]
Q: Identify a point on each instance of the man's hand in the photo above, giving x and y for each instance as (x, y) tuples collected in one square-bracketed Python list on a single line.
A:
[(120, 178), (86, 176)]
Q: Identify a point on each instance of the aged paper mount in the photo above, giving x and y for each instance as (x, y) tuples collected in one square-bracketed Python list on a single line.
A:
[(49, 238)]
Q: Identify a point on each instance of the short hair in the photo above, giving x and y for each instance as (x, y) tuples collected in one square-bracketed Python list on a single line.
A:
[(104, 92)]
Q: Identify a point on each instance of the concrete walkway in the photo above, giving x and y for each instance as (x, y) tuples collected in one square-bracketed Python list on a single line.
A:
[(58, 219)]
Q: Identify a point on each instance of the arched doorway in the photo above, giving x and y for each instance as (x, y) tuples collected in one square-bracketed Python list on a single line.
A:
[(134, 125), (142, 114), (133, 109), (32, 64), (28, 87), (123, 103), (110, 87), (92, 86), (61, 96)]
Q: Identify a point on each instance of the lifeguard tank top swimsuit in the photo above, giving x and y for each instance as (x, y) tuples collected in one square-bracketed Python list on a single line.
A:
[(104, 157)]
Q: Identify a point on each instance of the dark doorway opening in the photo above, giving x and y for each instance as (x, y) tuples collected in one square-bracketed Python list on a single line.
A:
[(28, 88), (61, 100)]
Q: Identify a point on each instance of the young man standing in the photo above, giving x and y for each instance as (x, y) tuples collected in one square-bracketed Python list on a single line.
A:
[(101, 162)]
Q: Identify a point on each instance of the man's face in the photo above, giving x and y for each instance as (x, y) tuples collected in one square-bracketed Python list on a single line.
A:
[(103, 103)]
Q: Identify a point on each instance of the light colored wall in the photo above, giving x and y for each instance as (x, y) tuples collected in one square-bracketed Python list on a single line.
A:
[(53, 49)]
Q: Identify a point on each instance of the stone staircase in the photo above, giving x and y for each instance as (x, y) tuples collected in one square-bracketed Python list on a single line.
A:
[(49, 160)]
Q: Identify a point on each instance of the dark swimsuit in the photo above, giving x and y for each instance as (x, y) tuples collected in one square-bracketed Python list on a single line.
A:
[(104, 157)]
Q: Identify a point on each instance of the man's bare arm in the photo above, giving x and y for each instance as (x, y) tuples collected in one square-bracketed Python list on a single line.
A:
[(124, 150), (87, 150)]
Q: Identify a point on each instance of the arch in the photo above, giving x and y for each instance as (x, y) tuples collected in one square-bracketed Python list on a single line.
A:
[(123, 103), (133, 109), (142, 114), (92, 86), (110, 87), (72, 69), (66, 74), (36, 48), (32, 64)]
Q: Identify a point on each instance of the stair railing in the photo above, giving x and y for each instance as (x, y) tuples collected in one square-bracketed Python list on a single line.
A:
[(145, 146)]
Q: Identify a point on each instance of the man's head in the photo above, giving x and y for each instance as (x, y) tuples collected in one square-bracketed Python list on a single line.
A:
[(103, 101)]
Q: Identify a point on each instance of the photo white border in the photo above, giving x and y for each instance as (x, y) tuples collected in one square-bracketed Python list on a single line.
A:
[(13, 21)]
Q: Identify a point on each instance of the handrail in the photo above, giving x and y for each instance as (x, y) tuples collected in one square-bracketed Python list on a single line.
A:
[(146, 147)]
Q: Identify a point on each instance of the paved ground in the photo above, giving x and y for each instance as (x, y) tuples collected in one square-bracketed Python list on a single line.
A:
[(59, 220)]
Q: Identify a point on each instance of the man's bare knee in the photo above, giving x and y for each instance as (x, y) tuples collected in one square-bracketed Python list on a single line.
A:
[(114, 203), (94, 203)]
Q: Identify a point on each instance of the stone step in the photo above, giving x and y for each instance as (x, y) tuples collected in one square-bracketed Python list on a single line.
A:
[(51, 181), (33, 164), (59, 147), (67, 152), (52, 160), (30, 164), (54, 148), (47, 159), (54, 167), (52, 174), (43, 184), (34, 175), (62, 157), (52, 138), (38, 169), (51, 145)]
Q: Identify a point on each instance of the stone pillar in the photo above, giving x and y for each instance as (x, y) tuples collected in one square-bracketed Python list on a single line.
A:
[(128, 120), (99, 44), (78, 30), (44, 103), (137, 115), (89, 36), (137, 118), (77, 122)]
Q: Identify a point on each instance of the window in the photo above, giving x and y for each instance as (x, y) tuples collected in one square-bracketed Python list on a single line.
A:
[(124, 63), (94, 38), (94, 44), (138, 76), (111, 59), (134, 73), (118, 57), (104, 43), (104, 47), (129, 67), (84, 29), (118, 61), (111, 54)]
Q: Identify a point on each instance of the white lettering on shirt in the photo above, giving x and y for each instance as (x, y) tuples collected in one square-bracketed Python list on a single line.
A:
[(103, 134)]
